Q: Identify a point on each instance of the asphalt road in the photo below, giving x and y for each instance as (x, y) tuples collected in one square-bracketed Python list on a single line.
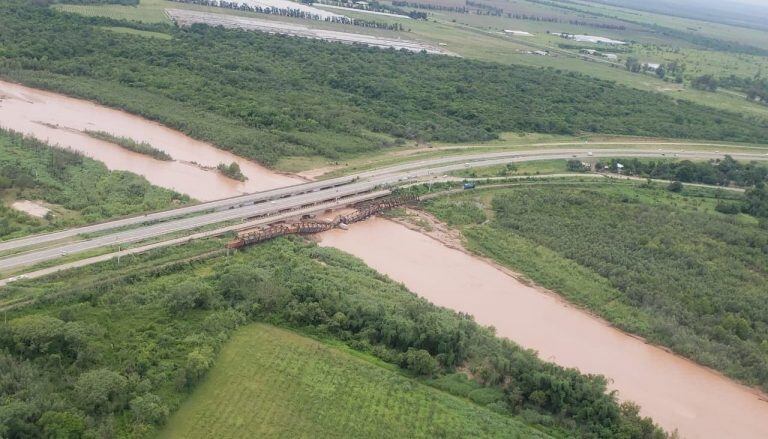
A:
[(475, 160), (222, 204), (168, 227), (297, 196), (195, 235)]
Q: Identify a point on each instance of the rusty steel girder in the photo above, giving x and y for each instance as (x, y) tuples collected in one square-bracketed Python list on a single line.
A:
[(364, 211)]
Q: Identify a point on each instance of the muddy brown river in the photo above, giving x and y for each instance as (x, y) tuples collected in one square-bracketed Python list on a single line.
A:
[(60, 120), (677, 393)]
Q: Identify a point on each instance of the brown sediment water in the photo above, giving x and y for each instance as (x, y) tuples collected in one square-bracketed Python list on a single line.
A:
[(677, 393), (61, 120)]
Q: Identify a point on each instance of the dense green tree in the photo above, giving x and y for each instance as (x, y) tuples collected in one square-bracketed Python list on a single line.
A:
[(420, 362), (149, 408), (190, 295), (675, 186), (198, 363), (37, 335), (633, 65), (62, 425), (101, 391), (705, 82), (728, 208), (575, 166), (757, 201), (231, 170)]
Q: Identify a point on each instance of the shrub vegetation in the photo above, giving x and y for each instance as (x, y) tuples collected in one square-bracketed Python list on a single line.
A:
[(130, 144)]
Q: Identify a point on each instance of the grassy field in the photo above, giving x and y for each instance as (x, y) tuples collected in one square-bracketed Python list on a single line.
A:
[(699, 62), (701, 272), (525, 168), (148, 11), (717, 30), (271, 382)]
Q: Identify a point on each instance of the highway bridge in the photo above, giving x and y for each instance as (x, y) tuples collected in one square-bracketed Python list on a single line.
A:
[(269, 205)]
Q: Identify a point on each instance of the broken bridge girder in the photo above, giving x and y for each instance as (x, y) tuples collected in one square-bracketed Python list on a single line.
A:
[(363, 211)]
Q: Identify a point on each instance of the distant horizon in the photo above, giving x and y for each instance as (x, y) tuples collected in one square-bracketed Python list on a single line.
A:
[(749, 13)]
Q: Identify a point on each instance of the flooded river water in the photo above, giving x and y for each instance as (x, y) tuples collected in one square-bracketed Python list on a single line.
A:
[(677, 393), (60, 120)]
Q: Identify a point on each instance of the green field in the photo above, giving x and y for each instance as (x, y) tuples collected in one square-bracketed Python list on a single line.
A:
[(148, 11), (525, 168), (667, 266), (744, 35), (270, 382)]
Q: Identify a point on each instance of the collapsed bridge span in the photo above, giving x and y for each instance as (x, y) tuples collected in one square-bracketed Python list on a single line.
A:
[(310, 226)]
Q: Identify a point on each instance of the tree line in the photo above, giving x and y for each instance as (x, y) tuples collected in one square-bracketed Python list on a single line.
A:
[(130, 144), (431, 6), (295, 13), (755, 88), (375, 7), (727, 172), (486, 9)]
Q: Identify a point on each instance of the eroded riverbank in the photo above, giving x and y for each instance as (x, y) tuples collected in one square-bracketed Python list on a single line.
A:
[(677, 393), (61, 120)]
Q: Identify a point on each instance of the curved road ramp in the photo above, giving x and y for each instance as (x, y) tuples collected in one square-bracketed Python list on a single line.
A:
[(184, 18)]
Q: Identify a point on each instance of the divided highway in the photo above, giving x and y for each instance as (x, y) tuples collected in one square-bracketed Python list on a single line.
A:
[(272, 202), (225, 203)]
